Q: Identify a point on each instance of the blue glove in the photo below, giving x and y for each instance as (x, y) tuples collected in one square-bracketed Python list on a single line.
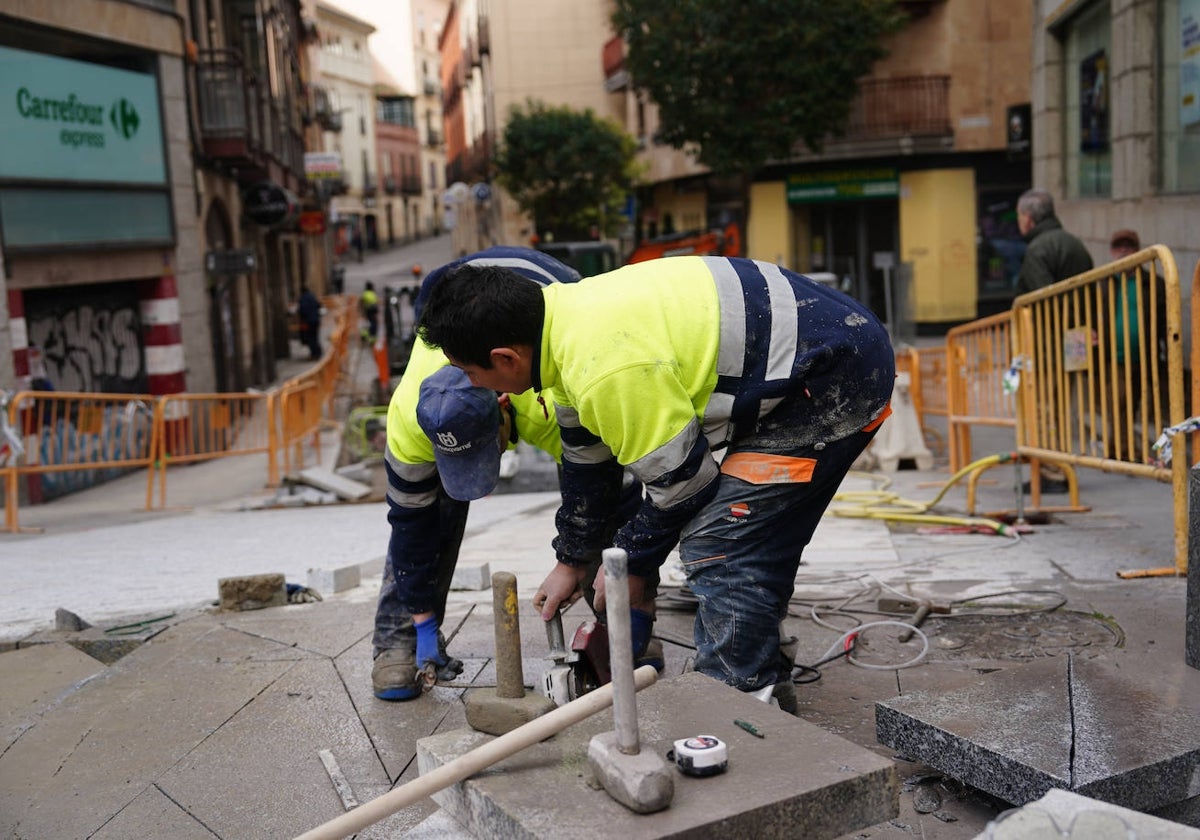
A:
[(427, 643), (641, 625)]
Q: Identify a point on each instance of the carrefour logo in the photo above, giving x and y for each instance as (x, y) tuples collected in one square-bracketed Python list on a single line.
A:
[(73, 111)]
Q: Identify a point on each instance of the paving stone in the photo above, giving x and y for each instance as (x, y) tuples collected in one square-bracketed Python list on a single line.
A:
[(797, 781), (1062, 722), (471, 577), (252, 592), (329, 581), (344, 487), (1083, 818)]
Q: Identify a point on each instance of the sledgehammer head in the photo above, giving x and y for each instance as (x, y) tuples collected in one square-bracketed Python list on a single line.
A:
[(642, 782)]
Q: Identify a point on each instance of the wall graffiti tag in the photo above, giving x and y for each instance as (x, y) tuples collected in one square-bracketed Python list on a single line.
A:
[(91, 347)]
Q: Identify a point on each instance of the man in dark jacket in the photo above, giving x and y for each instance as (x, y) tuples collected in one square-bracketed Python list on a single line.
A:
[(1052, 253)]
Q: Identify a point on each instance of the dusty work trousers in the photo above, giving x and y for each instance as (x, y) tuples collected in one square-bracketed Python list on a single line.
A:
[(742, 551), (393, 623)]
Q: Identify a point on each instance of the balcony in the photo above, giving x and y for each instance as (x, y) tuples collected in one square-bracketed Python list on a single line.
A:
[(616, 77), (433, 139), (904, 115), (431, 86), (242, 125), (389, 184), (410, 184), (323, 111), (484, 35)]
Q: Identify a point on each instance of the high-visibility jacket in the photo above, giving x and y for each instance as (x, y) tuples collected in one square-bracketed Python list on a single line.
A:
[(412, 492), (655, 365)]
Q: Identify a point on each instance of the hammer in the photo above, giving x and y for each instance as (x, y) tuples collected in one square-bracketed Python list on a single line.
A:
[(641, 781)]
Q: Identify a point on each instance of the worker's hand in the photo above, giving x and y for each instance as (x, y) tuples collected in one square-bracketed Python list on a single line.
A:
[(561, 588), (638, 599), (297, 594)]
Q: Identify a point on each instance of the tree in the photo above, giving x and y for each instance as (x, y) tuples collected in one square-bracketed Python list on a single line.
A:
[(570, 170), (746, 81)]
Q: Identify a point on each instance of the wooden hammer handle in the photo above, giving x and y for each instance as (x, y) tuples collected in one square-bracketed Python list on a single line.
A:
[(470, 763)]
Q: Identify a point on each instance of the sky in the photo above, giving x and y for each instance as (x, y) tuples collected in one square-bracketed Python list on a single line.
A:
[(392, 40)]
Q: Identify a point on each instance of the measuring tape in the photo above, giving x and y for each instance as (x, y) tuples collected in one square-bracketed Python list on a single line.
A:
[(700, 755)]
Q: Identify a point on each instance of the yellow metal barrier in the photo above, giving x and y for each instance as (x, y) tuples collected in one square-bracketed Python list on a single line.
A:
[(67, 437), (204, 427), (1102, 375), (978, 354)]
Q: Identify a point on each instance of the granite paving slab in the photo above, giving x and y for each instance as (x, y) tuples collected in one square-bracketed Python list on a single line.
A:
[(797, 781), (34, 679), (1065, 722)]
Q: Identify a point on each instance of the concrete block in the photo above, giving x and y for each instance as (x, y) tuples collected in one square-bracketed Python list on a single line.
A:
[(797, 781), (1060, 813), (324, 479), (1062, 722), (329, 581), (252, 592), (471, 577)]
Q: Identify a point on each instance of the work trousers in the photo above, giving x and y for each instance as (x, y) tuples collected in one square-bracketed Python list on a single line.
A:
[(741, 552)]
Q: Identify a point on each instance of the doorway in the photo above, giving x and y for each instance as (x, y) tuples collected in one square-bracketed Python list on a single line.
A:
[(850, 239)]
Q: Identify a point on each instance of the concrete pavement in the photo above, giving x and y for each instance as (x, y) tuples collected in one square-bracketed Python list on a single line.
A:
[(235, 725)]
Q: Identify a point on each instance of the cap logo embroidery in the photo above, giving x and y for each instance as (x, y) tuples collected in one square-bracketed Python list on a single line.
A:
[(447, 439)]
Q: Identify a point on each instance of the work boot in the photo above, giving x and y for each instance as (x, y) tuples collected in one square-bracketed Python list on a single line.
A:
[(394, 675)]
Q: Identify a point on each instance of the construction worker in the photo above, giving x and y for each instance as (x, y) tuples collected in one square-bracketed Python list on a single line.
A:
[(656, 365), (369, 304), (444, 443)]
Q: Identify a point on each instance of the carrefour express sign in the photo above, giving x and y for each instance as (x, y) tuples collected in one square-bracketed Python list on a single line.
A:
[(66, 120)]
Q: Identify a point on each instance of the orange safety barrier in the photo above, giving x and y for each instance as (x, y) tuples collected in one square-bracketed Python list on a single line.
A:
[(978, 354), (80, 434), (210, 426), (1102, 376), (300, 417)]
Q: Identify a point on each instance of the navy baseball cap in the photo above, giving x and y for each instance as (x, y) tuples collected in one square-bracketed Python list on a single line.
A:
[(463, 422)]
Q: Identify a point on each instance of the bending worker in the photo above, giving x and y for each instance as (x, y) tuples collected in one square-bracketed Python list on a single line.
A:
[(444, 443), (655, 366)]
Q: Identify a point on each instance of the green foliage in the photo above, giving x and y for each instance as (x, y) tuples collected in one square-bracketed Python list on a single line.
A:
[(746, 81), (569, 169)]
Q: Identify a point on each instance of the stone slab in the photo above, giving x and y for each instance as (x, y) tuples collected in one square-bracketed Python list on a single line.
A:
[(1083, 818), (1061, 722), (797, 781), (252, 592), (330, 481), (472, 577), (330, 581)]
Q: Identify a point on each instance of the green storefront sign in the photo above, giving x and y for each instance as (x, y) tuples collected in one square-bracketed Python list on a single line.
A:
[(842, 185), (65, 120)]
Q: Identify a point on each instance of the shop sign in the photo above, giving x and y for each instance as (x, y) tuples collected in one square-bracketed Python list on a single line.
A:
[(312, 222), (842, 185), (238, 261), (269, 205), (67, 120), (323, 165)]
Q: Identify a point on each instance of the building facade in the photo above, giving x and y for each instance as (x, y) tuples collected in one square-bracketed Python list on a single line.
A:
[(398, 161), (347, 77), (148, 192), (428, 19)]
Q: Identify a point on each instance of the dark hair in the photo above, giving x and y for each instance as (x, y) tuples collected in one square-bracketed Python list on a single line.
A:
[(474, 309)]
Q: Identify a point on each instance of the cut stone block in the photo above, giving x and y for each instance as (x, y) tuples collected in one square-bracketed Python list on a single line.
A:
[(471, 577), (252, 592), (1084, 818), (1078, 725), (329, 581), (797, 781), (324, 479)]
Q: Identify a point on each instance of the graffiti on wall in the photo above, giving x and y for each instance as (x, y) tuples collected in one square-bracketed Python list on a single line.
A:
[(90, 346)]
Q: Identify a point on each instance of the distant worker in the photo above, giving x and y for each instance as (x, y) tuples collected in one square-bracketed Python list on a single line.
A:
[(308, 309), (368, 303)]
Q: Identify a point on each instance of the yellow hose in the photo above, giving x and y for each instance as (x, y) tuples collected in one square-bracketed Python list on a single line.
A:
[(879, 504)]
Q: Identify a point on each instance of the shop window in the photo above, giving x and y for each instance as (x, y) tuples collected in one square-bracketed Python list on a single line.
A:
[(1087, 77), (1179, 119)]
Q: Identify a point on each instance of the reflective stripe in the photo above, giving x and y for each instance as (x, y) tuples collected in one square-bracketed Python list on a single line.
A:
[(717, 428), (731, 298), (420, 490), (579, 445), (762, 468), (522, 266), (672, 494), (782, 354)]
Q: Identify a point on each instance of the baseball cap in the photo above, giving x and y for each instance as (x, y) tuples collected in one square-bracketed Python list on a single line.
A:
[(1125, 236), (463, 422)]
